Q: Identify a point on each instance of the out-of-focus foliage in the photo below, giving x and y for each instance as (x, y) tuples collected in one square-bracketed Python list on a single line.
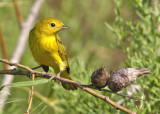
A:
[(140, 40), (133, 30)]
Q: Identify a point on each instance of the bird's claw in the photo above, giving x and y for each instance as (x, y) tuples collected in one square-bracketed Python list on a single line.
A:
[(29, 75)]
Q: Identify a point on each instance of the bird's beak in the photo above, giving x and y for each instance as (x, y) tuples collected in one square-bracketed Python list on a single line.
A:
[(64, 27)]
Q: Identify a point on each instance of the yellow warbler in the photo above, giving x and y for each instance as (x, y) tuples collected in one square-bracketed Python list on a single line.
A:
[(48, 49)]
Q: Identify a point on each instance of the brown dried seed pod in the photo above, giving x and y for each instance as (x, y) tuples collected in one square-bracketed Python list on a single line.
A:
[(100, 77), (123, 77)]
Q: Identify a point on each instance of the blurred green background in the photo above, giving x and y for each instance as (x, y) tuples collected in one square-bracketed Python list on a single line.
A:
[(107, 33)]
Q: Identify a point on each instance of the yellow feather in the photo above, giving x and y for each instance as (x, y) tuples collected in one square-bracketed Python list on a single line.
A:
[(48, 49)]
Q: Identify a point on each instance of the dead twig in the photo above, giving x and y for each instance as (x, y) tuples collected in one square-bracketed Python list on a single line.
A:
[(3, 47), (105, 90), (31, 96), (19, 17)]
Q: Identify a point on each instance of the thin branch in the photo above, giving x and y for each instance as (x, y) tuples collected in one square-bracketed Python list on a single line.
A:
[(131, 97), (20, 47), (19, 17), (20, 72), (31, 96), (105, 90), (3, 47), (63, 80)]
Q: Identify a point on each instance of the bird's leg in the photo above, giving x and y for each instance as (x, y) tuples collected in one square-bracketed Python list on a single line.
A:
[(30, 74), (37, 67)]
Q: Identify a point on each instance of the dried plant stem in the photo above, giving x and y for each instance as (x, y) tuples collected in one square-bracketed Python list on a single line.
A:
[(131, 97), (19, 17), (105, 90), (79, 85), (31, 96), (3, 47)]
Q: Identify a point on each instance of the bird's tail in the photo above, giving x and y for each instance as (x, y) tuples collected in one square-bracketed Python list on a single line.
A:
[(66, 75)]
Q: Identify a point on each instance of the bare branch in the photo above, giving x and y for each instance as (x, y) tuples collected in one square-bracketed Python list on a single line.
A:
[(20, 47), (19, 17), (3, 47), (31, 96), (79, 85), (105, 90)]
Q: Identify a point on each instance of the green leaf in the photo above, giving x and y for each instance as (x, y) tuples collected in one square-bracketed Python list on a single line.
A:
[(27, 83), (109, 27)]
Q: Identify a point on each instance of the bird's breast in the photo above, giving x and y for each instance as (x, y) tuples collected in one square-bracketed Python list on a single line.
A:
[(43, 50)]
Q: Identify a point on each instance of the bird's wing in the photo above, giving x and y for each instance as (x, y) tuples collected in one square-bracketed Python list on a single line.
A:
[(62, 51), (66, 73)]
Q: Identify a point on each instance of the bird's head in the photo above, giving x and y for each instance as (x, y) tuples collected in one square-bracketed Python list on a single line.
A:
[(50, 26)]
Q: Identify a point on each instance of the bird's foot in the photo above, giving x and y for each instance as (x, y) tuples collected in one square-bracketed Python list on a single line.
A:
[(29, 75), (43, 74)]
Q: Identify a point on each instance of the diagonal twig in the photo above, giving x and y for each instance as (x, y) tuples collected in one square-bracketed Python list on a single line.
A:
[(31, 96), (105, 90), (18, 14), (3, 47)]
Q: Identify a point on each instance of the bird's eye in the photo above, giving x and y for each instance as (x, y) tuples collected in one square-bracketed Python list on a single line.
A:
[(52, 24)]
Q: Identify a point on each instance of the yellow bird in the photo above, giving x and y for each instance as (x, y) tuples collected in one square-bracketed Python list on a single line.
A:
[(48, 49)]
